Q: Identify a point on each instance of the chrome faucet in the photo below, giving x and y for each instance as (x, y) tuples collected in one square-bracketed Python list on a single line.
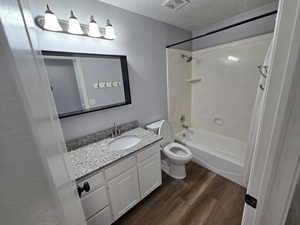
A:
[(184, 126), (116, 131), (182, 122)]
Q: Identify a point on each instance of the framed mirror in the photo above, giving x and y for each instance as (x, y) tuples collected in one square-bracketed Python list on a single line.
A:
[(83, 83)]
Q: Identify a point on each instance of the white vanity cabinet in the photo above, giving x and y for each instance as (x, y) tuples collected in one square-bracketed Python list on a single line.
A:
[(104, 217), (149, 174), (149, 169), (95, 203), (124, 192), (121, 185)]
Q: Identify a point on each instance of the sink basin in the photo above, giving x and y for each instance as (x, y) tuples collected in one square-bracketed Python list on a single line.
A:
[(123, 142)]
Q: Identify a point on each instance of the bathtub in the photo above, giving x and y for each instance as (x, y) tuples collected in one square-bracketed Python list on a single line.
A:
[(223, 155)]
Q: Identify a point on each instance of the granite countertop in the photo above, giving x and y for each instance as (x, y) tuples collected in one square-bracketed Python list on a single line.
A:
[(92, 157)]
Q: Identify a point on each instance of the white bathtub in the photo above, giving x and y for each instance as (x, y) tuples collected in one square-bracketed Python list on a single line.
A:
[(223, 155)]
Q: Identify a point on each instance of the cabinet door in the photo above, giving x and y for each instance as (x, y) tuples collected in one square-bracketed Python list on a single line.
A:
[(94, 202), (150, 175), (124, 192), (101, 218)]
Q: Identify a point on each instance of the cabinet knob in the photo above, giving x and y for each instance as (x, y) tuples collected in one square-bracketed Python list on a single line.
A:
[(85, 187)]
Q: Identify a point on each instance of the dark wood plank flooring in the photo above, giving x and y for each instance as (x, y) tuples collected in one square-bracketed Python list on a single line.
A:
[(203, 198)]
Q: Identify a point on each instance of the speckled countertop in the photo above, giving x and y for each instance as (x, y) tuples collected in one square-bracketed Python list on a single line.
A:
[(92, 157)]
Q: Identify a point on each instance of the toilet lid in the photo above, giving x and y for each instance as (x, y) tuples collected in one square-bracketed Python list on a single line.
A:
[(166, 132)]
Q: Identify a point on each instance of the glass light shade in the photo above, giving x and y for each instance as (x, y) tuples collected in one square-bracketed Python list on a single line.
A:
[(51, 21), (233, 58), (93, 28), (74, 25), (109, 31)]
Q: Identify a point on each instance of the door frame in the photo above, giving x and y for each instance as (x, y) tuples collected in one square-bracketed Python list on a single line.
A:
[(27, 77), (273, 158)]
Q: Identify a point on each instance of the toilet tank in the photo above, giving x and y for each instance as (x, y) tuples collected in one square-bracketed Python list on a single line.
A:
[(164, 129), (155, 126)]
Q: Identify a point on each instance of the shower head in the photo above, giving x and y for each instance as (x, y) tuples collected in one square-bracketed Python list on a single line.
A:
[(187, 58)]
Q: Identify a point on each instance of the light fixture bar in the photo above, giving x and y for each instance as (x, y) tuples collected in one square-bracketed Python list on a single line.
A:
[(40, 20)]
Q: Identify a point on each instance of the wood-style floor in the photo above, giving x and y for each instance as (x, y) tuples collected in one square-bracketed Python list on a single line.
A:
[(203, 198)]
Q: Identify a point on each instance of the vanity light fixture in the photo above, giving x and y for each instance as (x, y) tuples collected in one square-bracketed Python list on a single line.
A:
[(74, 25), (50, 21), (93, 28), (109, 31)]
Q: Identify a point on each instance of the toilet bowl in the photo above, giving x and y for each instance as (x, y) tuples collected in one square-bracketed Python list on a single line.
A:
[(179, 156), (176, 155)]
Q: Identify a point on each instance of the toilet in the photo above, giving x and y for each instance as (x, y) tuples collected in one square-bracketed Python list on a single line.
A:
[(175, 156)]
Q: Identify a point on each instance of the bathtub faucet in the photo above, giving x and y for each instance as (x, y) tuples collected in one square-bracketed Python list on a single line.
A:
[(185, 126), (182, 121)]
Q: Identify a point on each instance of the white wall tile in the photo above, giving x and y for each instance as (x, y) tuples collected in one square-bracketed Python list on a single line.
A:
[(179, 91), (228, 89)]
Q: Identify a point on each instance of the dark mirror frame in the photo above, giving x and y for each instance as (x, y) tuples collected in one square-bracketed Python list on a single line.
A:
[(125, 75)]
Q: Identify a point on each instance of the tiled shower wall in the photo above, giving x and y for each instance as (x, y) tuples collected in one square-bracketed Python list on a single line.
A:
[(223, 99), (179, 90)]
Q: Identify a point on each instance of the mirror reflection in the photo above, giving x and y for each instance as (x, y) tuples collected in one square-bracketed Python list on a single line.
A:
[(86, 82)]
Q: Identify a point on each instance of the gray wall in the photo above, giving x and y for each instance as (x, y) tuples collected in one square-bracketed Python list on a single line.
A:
[(143, 40), (254, 28)]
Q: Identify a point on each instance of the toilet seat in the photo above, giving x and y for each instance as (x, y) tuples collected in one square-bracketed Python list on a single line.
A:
[(175, 156), (183, 152)]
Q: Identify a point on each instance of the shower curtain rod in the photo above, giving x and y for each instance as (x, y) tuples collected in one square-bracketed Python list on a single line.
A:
[(224, 28)]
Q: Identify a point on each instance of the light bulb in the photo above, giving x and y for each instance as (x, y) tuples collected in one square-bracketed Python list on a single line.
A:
[(109, 31), (93, 28), (233, 58), (50, 21), (74, 25)]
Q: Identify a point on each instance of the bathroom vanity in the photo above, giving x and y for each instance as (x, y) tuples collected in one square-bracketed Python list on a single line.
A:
[(110, 181)]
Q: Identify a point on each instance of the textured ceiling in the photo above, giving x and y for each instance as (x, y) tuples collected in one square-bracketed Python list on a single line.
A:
[(197, 14)]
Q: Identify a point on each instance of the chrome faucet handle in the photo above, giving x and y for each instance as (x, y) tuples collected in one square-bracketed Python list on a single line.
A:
[(113, 131), (184, 126)]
